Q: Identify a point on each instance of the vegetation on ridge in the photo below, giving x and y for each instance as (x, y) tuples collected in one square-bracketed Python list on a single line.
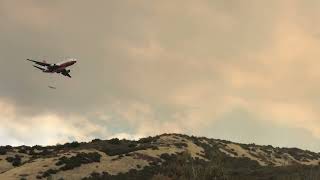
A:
[(168, 156)]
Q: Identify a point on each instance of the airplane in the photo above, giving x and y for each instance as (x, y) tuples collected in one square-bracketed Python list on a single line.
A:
[(55, 68)]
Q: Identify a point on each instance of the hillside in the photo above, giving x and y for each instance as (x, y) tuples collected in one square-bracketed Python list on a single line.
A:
[(167, 156)]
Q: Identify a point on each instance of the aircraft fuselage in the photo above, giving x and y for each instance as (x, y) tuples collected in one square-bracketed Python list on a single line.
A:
[(57, 68)]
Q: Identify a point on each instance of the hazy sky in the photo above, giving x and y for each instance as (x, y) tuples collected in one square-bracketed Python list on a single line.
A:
[(245, 71)]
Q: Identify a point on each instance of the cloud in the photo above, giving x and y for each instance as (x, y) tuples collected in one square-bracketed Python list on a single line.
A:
[(153, 67), (45, 128), (126, 136), (29, 14)]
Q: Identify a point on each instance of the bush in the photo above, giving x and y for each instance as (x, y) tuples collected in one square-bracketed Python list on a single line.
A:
[(96, 140), (76, 161), (3, 150), (22, 151), (48, 172), (8, 147), (37, 147), (114, 141), (146, 140), (114, 147), (180, 145), (15, 161), (97, 176), (74, 144), (132, 145), (166, 156)]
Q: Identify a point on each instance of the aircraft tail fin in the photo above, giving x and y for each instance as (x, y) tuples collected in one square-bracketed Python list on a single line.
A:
[(66, 73)]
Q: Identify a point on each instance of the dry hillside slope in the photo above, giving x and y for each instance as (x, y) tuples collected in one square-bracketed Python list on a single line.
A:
[(167, 156)]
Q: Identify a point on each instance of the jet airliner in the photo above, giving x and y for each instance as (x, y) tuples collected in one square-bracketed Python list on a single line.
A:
[(56, 67)]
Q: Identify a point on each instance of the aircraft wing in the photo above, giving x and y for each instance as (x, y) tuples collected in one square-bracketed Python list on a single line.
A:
[(39, 67), (65, 73), (39, 63)]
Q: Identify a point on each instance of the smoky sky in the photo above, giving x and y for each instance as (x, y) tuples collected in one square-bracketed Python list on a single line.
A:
[(146, 68)]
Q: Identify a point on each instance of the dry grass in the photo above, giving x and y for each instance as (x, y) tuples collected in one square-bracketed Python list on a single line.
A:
[(284, 159)]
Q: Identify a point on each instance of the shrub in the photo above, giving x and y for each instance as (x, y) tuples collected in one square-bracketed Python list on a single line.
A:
[(22, 151), (48, 172), (3, 150), (180, 145), (15, 161), (74, 144), (155, 148), (96, 140), (146, 140), (116, 147), (114, 141), (8, 147), (76, 161), (166, 156), (132, 145)]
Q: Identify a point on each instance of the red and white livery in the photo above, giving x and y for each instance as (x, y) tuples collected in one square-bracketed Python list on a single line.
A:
[(55, 68)]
